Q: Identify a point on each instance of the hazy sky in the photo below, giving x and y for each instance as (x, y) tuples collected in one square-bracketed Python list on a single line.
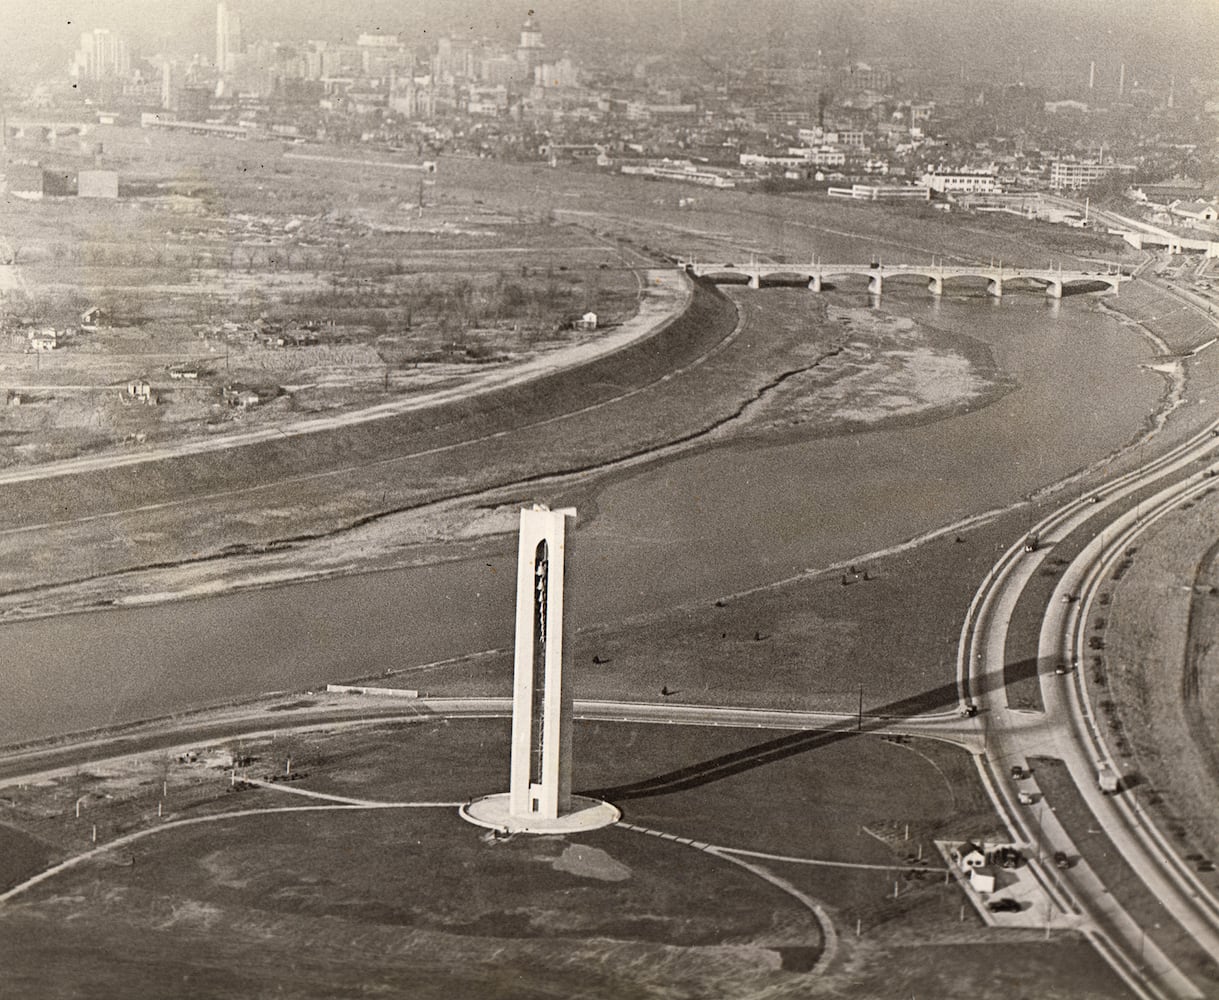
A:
[(1149, 35)]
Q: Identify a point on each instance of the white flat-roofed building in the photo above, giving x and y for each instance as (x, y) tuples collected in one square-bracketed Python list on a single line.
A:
[(882, 192), (1075, 174), (951, 180), (676, 170)]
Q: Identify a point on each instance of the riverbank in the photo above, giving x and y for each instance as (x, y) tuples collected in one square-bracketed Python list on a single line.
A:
[(673, 534), (823, 370)]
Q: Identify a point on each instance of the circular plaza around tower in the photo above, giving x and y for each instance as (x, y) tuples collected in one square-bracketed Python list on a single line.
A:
[(493, 812)]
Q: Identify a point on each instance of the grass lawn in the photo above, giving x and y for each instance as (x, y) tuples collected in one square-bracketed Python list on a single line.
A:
[(1123, 881), (423, 904)]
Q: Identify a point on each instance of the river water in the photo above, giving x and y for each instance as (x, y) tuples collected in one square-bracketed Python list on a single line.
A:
[(695, 527)]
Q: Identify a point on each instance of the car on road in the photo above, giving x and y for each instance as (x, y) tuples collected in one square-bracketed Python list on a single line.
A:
[(1032, 543), (1061, 860), (1004, 905)]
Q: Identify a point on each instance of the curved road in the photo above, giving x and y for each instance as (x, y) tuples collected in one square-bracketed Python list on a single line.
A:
[(1115, 515)]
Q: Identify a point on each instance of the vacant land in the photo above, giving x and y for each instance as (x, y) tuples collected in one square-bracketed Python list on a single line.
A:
[(243, 299)]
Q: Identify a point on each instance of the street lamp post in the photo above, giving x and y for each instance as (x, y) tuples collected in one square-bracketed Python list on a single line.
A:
[(1040, 806)]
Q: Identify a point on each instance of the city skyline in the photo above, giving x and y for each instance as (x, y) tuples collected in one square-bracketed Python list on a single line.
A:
[(1034, 37)]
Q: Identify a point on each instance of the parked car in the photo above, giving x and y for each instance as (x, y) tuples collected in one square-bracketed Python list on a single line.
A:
[(1017, 772), (1061, 860)]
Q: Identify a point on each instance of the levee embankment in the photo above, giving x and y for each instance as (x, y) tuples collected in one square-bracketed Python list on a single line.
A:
[(707, 319)]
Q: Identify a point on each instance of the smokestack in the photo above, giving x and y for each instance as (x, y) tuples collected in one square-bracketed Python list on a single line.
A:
[(1091, 74), (1121, 81)]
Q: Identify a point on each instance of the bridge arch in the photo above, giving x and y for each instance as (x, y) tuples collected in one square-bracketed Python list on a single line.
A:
[(730, 276), (1081, 283)]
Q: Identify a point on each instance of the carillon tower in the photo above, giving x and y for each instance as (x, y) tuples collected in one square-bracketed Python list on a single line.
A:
[(539, 798), (541, 701)]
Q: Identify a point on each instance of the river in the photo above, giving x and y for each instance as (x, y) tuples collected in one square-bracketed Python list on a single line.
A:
[(694, 527)]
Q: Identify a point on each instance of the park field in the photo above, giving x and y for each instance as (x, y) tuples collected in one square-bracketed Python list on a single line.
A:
[(242, 893)]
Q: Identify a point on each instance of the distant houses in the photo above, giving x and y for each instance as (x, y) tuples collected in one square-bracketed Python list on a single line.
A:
[(1194, 211), (140, 391), (240, 397), (43, 340), (92, 318)]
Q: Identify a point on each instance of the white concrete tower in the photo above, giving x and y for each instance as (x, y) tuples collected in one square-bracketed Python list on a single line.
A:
[(539, 798), (541, 702)]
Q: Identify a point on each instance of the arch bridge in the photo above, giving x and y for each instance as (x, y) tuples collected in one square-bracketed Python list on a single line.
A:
[(995, 276)]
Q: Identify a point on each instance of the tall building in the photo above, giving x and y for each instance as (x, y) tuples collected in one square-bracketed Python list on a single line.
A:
[(169, 86), (1076, 174), (531, 51), (102, 55), (228, 37), (383, 55)]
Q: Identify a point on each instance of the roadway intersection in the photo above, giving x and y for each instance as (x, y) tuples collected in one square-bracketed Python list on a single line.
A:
[(1112, 518)]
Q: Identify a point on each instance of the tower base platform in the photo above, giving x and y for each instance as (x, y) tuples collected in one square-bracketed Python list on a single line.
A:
[(491, 811)]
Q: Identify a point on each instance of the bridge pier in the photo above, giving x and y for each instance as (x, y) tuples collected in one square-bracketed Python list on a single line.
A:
[(1054, 289), (814, 282), (875, 283), (935, 286), (755, 280), (994, 287)]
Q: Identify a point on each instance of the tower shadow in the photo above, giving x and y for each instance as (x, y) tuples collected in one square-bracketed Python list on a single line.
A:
[(771, 751)]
